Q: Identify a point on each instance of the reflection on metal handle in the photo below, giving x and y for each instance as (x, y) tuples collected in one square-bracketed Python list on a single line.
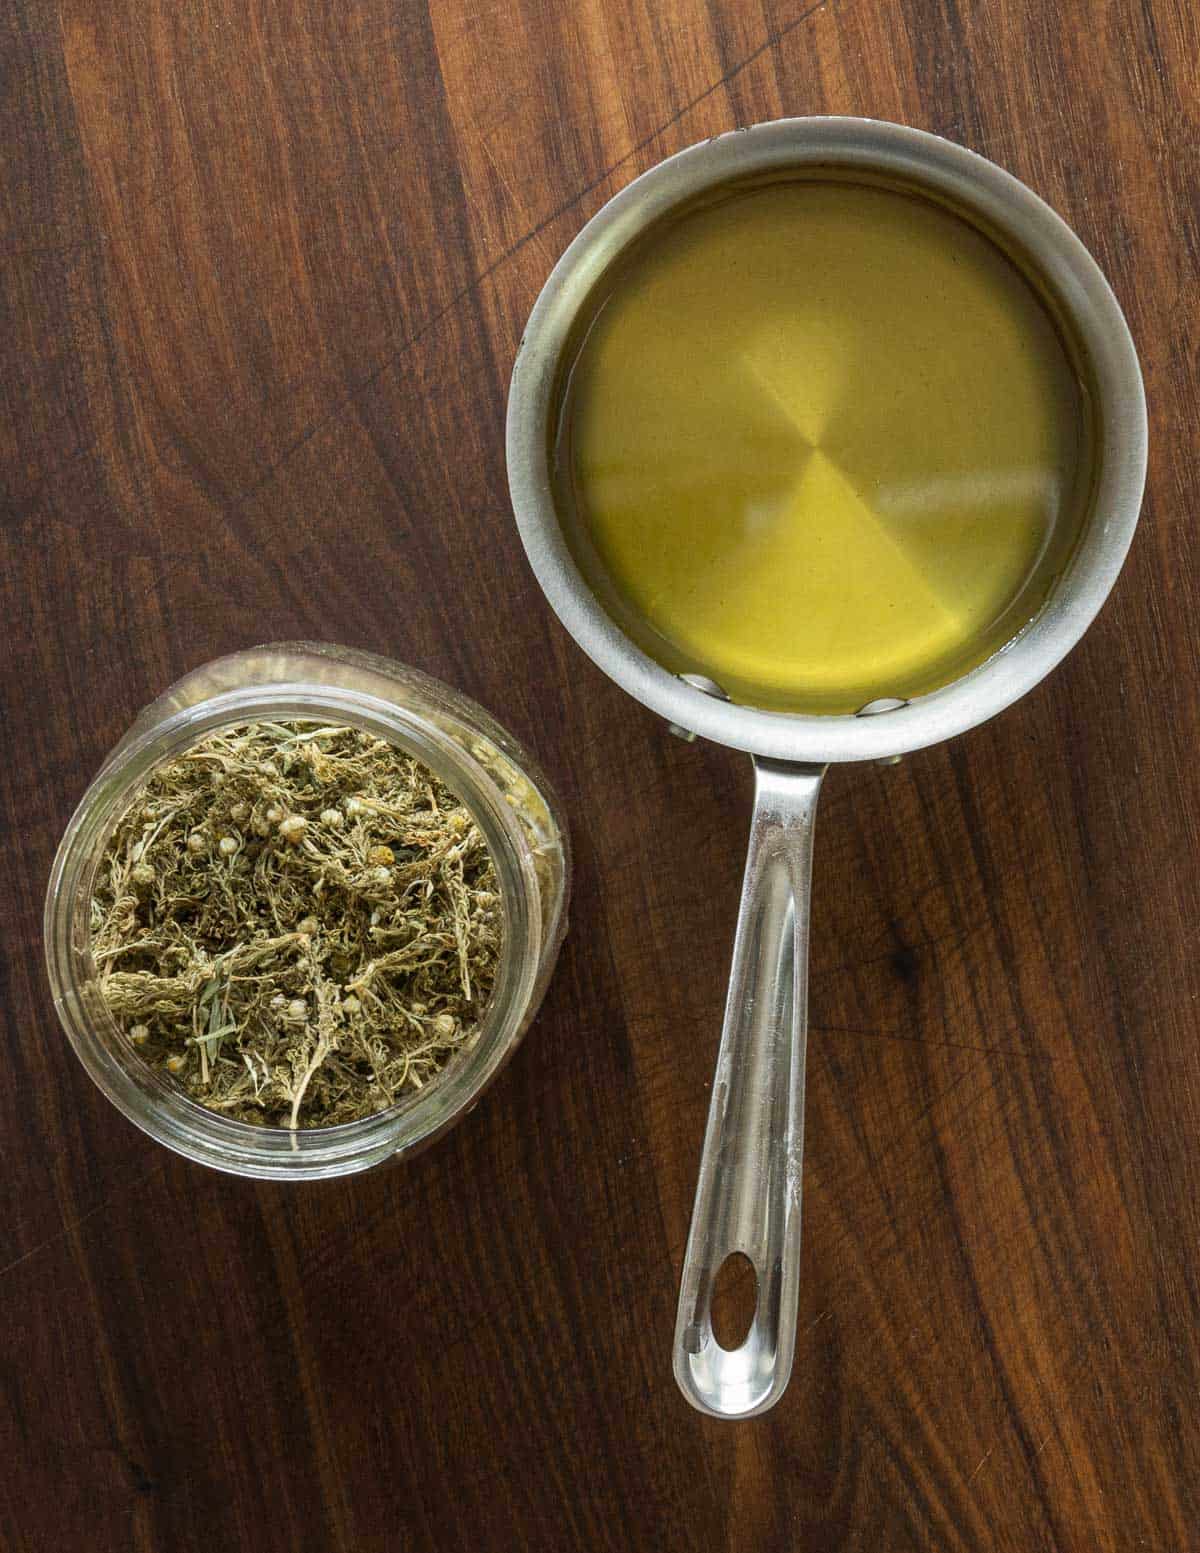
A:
[(748, 1196)]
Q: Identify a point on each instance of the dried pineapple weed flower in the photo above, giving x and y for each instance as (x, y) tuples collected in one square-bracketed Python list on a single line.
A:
[(295, 922)]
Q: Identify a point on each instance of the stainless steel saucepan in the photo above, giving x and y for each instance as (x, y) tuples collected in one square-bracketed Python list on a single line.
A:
[(748, 1198)]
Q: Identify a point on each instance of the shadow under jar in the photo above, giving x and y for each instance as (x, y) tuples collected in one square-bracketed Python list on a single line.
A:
[(495, 778)]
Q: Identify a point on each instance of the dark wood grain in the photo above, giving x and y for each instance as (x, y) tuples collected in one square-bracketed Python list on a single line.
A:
[(263, 269)]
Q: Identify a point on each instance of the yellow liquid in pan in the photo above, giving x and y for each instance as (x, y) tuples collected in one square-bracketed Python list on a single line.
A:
[(823, 443)]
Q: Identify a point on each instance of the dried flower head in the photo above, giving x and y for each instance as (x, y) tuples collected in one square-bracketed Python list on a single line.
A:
[(285, 966)]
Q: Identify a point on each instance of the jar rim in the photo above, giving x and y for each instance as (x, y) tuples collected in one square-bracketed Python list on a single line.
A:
[(162, 1110)]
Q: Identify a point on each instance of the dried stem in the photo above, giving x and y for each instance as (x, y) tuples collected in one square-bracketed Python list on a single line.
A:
[(296, 922)]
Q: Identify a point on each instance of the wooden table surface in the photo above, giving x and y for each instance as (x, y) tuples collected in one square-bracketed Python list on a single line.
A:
[(265, 265)]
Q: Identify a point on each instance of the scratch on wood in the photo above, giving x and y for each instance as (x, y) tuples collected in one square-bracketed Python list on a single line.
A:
[(979, 1468)]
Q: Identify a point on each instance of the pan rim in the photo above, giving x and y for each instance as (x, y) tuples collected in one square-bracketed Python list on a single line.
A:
[(1093, 314)]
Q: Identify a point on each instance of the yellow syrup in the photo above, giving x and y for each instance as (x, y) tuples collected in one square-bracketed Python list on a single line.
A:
[(821, 442)]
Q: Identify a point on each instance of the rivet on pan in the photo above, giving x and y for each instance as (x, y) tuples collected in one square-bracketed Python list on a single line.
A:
[(884, 704), (710, 688)]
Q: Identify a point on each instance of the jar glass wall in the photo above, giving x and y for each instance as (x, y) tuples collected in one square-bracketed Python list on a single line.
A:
[(495, 778)]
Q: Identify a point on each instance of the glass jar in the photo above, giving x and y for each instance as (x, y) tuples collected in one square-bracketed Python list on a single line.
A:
[(485, 767)]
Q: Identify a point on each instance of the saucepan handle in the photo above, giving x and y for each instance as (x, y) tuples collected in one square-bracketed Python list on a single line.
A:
[(748, 1195)]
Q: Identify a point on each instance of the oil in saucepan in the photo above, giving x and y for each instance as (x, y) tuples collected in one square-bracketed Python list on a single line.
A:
[(821, 442)]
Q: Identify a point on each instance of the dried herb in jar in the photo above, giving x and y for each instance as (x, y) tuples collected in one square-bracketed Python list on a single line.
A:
[(298, 923)]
